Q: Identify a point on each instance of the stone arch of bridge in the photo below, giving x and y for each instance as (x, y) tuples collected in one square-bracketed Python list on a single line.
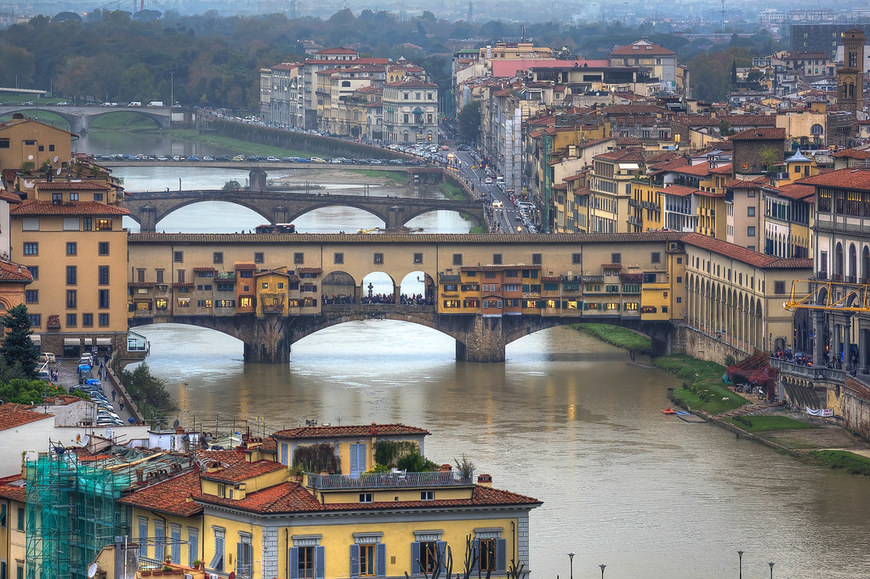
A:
[(158, 120), (330, 319), (164, 209)]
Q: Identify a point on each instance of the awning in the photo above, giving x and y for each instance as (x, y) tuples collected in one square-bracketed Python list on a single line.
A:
[(36, 339), (104, 341), (72, 342)]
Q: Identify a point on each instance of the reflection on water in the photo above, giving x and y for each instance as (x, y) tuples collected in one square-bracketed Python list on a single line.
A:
[(565, 419)]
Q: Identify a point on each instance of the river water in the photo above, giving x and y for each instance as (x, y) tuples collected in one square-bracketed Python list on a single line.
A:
[(566, 419)]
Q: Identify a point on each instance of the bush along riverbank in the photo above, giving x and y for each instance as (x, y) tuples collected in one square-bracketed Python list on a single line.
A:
[(703, 392)]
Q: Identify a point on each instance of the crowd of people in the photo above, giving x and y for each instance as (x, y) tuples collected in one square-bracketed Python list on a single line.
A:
[(381, 299)]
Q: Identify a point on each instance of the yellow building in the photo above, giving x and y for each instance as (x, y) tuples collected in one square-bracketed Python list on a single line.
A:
[(13, 500), (610, 190), (69, 236), (245, 514), (28, 141)]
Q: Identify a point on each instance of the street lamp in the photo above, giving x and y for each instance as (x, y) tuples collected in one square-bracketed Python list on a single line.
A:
[(602, 570), (571, 561), (171, 88), (771, 569), (740, 557)]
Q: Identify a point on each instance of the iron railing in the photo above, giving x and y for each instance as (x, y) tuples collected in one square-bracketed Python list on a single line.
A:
[(388, 480)]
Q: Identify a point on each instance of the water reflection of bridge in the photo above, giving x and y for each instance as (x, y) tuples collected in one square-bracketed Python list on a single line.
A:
[(148, 209)]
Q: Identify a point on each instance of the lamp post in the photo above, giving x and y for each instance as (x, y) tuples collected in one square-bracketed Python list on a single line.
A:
[(771, 569), (171, 88), (740, 557), (571, 563), (602, 570)]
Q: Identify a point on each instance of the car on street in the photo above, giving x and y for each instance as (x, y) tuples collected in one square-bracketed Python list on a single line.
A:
[(488, 181)]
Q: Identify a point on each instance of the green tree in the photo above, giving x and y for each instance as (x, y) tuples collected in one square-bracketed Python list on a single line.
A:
[(17, 346), (415, 462), (148, 392), (469, 122)]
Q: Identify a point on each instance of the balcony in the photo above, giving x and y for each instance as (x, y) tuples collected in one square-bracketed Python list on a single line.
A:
[(337, 482)]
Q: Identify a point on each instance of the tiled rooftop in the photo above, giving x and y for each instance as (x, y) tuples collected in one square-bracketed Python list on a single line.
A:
[(72, 208), (314, 432)]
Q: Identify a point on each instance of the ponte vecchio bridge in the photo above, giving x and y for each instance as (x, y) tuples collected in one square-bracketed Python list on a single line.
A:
[(271, 290), (148, 209)]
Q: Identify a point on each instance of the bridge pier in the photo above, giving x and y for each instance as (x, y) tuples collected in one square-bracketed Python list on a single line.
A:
[(484, 341), (148, 219), (268, 340)]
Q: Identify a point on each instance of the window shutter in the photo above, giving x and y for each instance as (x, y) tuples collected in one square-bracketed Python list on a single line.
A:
[(354, 560), (381, 568), (240, 557), (475, 555), (500, 554), (294, 562), (415, 558), (442, 549), (319, 562)]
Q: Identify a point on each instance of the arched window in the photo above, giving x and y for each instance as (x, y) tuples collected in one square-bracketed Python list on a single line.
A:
[(838, 263), (817, 130), (853, 263)]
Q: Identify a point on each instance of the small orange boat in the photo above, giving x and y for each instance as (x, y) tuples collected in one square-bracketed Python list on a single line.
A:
[(668, 411)]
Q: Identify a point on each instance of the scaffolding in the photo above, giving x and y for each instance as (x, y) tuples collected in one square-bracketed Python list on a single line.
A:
[(71, 512), (831, 296)]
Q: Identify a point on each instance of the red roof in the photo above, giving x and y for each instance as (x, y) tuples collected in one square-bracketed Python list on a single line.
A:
[(13, 492), (170, 496), (852, 154), (622, 155), (350, 431), (14, 415), (72, 186), (759, 134), (678, 190), (745, 255), (842, 178), (508, 68), (699, 170), (14, 272), (67, 208), (796, 191), (243, 471), (642, 47)]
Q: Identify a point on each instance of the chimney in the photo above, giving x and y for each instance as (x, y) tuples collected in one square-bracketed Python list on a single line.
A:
[(484, 480)]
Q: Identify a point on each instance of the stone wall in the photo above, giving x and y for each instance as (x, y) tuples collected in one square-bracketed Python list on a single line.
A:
[(855, 406), (700, 345)]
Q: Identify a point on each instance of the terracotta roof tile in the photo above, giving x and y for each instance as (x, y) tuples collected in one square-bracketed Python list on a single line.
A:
[(244, 470), (169, 496), (14, 272), (14, 492), (68, 208), (72, 186), (699, 170), (678, 190), (759, 134), (842, 178), (642, 49), (14, 415), (852, 154), (745, 255), (796, 191), (349, 431)]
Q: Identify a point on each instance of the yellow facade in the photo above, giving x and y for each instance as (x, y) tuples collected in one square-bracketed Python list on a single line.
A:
[(12, 531), (645, 207), (29, 141)]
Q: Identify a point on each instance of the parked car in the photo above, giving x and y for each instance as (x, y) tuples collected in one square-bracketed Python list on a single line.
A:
[(47, 357)]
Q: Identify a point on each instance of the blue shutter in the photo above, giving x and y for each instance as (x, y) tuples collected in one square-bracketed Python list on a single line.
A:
[(240, 557), (442, 549), (500, 555), (294, 562), (319, 562), (415, 558), (381, 567), (354, 560), (475, 555)]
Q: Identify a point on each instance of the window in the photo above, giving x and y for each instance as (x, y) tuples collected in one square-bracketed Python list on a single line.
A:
[(426, 557), (418, 258), (71, 248), (71, 320), (779, 287), (615, 258), (575, 258), (34, 271), (31, 296), (298, 258), (159, 273), (3, 516), (31, 248), (305, 562), (104, 298), (103, 320), (457, 259), (536, 259), (20, 519), (88, 320), (366, 498), (496, 258), (143, 537), (103, 248), (71, 275), (259, 257), (104, 275), (655, 257), (244, 556), (486, 548), (175, 547), (427, 495), (750, 231), (35, 320), (178, 257), (70, 223), (218, 257), (71, 299), (217, 562), (366, 560), (750, 211), (192, 545), (379, 258), (103, 225), (30, 224), (159, 541)]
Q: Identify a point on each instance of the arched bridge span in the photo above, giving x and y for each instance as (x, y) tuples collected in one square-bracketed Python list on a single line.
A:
[(79, 117), (148, 209)]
